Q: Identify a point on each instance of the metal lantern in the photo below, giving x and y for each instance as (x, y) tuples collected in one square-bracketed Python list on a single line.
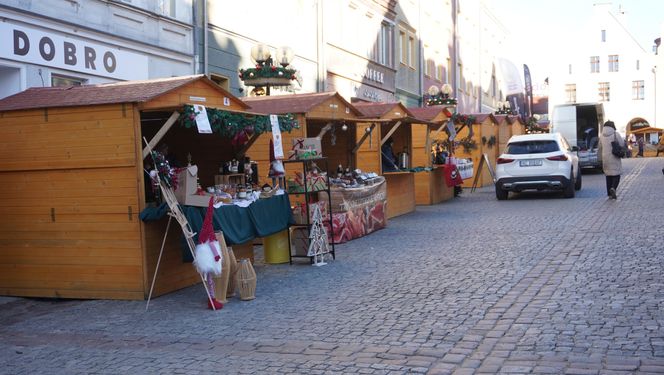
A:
[(446, 89), (285, 56), (260, 53)]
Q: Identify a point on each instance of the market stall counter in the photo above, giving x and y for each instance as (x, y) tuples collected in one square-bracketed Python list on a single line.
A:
[(240, 224)]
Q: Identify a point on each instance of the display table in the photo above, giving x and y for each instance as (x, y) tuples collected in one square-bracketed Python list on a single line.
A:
[(400, 193), (239, 224), (430, 187), (359, 211)]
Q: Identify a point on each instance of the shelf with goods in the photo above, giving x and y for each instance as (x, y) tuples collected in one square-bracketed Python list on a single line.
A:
[(310, 189)]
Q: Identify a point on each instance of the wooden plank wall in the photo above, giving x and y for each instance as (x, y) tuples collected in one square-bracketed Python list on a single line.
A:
[(68, 196), (173, 273), (488, 130), (504, 134), (367, 157), (400, 193), (420, 157)]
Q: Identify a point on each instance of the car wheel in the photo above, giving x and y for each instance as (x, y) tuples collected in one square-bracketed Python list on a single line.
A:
[(569, 189), (577, 182), (501, 194)]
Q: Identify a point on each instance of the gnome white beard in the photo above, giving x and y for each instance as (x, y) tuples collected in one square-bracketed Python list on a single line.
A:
[(204, 262)]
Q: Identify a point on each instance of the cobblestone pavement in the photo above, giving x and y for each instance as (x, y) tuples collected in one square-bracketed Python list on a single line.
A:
[(535, 284)]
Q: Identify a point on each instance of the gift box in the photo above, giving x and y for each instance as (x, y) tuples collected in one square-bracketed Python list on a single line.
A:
[(306, 148), (188, 187)]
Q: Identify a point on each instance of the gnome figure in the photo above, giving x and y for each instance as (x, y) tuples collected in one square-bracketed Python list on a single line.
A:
[(208, 256)]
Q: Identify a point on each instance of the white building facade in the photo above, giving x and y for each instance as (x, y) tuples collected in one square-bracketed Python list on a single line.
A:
[(50, 43), (608, 65)]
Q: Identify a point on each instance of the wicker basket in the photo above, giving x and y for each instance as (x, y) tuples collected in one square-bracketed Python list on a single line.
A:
[(246, 279), (233, 268), (221, 281)]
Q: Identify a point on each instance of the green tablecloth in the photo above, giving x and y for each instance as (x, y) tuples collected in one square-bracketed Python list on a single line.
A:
[(239, 224)]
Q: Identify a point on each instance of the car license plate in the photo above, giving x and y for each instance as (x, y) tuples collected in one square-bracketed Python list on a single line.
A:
[(530, 163)]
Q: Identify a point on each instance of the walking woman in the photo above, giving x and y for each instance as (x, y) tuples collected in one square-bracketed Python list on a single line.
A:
[(611, 164)]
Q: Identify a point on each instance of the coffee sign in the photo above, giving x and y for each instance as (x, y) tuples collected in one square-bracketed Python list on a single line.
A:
[(47, 48)]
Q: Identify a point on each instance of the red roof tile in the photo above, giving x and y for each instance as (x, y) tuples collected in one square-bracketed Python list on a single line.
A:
[(106, 93), (426, 113), (378, 110), (296, 103)]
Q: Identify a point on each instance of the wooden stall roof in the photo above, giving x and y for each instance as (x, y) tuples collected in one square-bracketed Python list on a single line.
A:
[(513, 119), (430, 114), (481, 117), (384, 110), (501, 118), (297, 103), (106, 93)]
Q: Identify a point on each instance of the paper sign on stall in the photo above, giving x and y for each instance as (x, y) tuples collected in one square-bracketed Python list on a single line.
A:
[(451, 130), (276, 137), (202, 121)]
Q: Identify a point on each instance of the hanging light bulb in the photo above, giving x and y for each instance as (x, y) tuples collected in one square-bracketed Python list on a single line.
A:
[(344, 127)]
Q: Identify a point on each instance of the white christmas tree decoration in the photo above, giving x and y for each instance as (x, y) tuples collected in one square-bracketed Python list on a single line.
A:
[(318, 245)]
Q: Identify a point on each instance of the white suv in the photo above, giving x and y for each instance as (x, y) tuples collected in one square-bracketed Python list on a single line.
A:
[(537, 162)]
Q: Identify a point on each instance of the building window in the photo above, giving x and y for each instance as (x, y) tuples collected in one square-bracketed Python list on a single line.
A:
[(604, 92), (59, 81), (613, 63), (594, 64), (569, 69), (460, 82), (440, 72), (638, 90), (221, 81), (493, 86), (570, 92), (385, 45), (449, 70), (403, 42), (603, 35), (412, 52), (638, 65), (167, 8)]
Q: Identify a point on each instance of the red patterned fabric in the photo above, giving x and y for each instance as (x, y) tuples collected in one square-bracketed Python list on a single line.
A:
[(452, 175)]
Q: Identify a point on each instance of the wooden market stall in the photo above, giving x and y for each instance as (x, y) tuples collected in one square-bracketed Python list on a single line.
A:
[(73, 185), (329, 120), (475, 140), (430, 186), (389, 121), (317, 114)]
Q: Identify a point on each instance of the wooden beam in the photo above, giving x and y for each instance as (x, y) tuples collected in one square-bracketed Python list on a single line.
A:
[(325, 129), (245, 148), (160, 134), (364, 138), (389, 134)]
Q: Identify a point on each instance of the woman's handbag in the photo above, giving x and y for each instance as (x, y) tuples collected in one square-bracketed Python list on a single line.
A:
[(616, 148)]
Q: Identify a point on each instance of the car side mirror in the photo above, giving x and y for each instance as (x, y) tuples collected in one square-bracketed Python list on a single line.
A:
[(575, 148)]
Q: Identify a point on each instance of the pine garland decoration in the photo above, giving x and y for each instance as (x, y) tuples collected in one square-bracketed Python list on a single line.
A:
[(231, 124)]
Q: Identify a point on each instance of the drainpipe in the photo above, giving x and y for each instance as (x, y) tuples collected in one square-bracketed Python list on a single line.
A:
[(205, 39)]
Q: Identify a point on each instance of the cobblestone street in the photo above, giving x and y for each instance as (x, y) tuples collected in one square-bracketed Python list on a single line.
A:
[(535, 284)]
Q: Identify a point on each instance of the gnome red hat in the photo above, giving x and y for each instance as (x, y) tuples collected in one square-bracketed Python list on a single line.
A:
[(208, 258)]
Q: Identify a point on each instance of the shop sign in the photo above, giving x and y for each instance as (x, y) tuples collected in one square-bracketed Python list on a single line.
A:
[(41, 47)]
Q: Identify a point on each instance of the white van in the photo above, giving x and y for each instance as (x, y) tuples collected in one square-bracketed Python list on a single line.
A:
[(581, 125)]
